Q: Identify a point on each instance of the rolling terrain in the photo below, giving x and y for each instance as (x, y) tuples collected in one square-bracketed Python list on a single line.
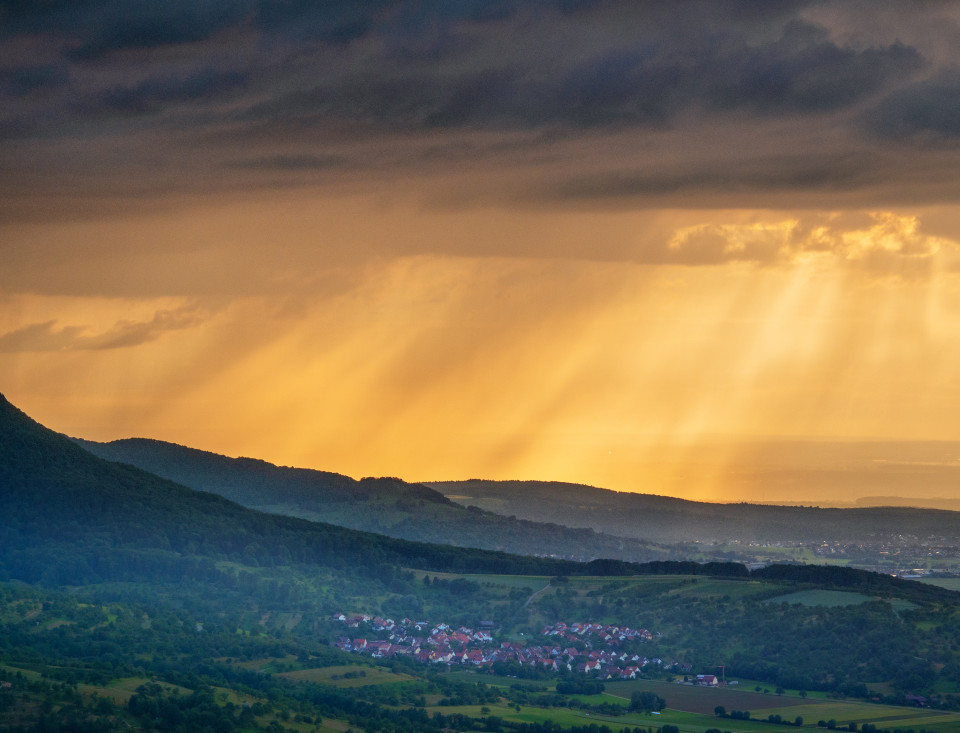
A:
[(386, 506), (69, 516), (556, 519), (129, 602), (670, 520)]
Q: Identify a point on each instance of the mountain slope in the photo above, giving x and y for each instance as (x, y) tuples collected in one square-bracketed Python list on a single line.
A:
[(384, 505), (669, 520), (69, 517)]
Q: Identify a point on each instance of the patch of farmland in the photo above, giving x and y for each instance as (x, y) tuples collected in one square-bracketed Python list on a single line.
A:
[(704, 700), (948, 583), (831, 598), (347, 676)]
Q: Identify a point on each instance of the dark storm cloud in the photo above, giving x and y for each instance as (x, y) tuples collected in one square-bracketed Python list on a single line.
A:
[(928, 111), (802, 71), (324, 21), (644, 79), (153, 24), (292, 162), (20, 82), (814, 172), (45, 16), (156, 93), (445, 68), (386, 78)]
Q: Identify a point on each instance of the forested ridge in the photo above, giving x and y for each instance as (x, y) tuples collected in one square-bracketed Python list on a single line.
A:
[(667, 519), (383, 505), (70, 517)]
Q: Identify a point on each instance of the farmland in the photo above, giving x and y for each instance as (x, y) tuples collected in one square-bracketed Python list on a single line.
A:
[(691, 709), (345, 676), (693, 699), (821, 598)]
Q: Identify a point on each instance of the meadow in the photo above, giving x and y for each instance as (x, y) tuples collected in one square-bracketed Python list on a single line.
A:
[(346, 676), (829, 598)]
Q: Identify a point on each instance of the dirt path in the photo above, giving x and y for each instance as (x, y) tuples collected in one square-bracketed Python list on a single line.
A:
[(537, 593)]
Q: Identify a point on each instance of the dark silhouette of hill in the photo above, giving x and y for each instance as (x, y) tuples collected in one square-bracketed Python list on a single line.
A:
[(383, 505), (71, 518), (952, 505), (670, 520)]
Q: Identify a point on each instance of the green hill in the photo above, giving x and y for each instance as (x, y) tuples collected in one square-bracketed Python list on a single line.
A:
[(386, 506), (179, 605), (70, 517), (669, 520)]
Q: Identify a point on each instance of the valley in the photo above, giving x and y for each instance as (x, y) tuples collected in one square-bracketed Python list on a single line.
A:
[(128, 601)]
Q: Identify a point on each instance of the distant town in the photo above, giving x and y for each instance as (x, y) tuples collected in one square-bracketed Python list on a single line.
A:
[(905, 556), (587, 648)]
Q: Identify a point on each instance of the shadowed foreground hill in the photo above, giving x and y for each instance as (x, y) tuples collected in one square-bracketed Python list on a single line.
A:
[(386, 506), (69, 517), (668, 520)]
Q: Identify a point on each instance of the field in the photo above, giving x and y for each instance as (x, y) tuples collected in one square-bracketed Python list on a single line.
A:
[(948, 583), (347, 676), (693, 699), (703, 701), (719, 587), (678, 586), (691, 708), (831, 598), (693, 722), (534, 582)]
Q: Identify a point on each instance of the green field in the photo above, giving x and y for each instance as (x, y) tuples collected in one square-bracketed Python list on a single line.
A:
[(693, 699), (701, 701), (676, 585), (831, 598), (719, 587), (948, 583), (690, 722), (122, 689), (327, 675), (534, 582)]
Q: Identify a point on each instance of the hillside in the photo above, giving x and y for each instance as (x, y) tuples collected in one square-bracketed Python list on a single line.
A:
[(670, 520), (386, 506), (70, 517), (157, 607), (557, 519)]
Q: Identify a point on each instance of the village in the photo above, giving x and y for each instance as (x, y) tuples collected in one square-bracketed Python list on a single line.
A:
[(586, 648)]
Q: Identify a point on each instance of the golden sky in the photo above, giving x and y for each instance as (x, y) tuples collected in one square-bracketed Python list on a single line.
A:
[(704, 250)]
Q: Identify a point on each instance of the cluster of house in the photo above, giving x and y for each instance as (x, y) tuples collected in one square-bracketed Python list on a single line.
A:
[(607, 633), (442, 644)]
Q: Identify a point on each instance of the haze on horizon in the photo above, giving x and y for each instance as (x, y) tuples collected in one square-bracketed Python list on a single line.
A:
[(703, 249)]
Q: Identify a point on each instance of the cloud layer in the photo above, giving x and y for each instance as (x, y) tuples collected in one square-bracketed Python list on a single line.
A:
[(546, 102), (506, 238)]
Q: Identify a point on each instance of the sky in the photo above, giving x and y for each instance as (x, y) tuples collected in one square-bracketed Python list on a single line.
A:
[(704, 249)]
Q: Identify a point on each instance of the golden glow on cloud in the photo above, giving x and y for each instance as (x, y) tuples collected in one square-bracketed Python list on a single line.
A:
[(644, 375), (543, 254)]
